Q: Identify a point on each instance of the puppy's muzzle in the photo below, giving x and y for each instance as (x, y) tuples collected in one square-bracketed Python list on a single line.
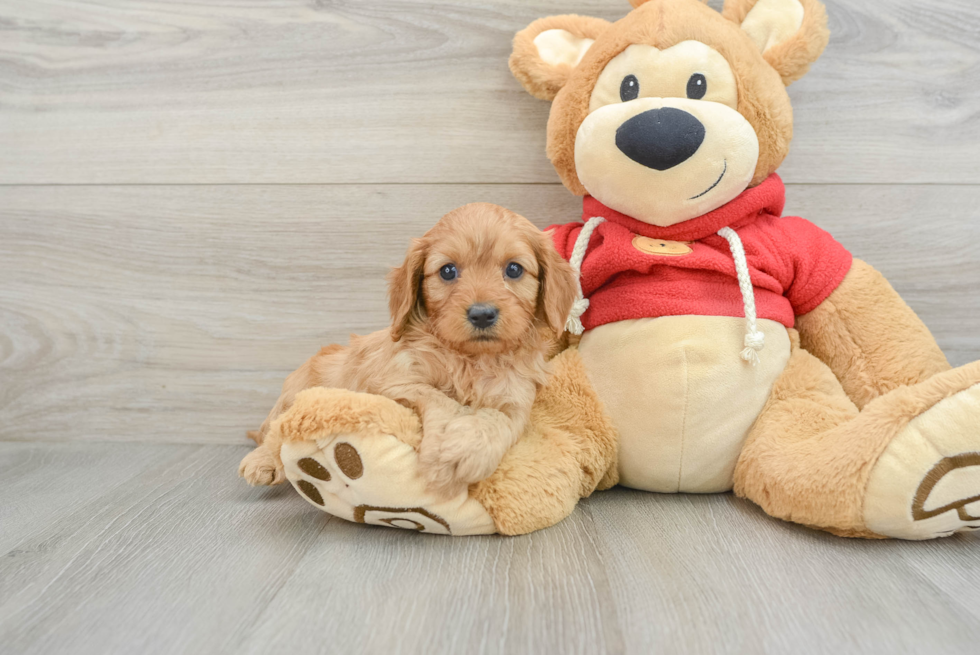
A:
[(482, 316), (660, 138)]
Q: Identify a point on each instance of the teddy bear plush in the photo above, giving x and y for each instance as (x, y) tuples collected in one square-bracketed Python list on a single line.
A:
[(717, 345)]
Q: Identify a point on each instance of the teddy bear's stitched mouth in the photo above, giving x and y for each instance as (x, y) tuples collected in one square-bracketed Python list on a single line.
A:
[(717, 182)]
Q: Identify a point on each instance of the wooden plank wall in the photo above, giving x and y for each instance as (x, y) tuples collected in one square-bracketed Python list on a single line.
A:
[(195, 196)]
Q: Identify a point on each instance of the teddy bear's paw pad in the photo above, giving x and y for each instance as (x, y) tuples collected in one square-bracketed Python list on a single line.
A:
[(375, 480), (946, 488), (927, 482), (409, 518)]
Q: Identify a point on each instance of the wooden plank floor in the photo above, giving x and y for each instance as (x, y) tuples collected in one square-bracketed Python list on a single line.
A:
[(168, 553), (194, 196)]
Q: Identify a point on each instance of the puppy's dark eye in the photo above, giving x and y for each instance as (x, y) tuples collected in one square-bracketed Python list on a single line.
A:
[(448, 272), (514, 270), (629, 89), (697, 86)]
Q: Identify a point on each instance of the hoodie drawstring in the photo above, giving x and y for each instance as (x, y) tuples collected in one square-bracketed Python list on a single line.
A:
[(755, 340), (574, 322)]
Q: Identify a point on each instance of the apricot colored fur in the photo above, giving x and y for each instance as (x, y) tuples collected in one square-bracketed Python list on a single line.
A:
[(473, 389)]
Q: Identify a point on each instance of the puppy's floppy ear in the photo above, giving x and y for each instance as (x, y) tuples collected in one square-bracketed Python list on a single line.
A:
[(791, 34), (557, 284), (547, 50), (405, 289)]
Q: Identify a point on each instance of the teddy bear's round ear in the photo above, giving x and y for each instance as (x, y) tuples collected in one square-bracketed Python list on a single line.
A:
[(791, 34), (548, 50)]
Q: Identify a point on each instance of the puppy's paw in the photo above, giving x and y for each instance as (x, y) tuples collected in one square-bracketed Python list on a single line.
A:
[(259, 468), (477, 442), (468, 451), (438, 470), (436, 420)]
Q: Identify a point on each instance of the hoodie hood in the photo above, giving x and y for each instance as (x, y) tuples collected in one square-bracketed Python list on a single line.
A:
[(766, 198)]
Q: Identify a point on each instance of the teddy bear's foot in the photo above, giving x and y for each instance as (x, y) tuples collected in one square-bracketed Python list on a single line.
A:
[(927, 481), (355, 456), (375, 479)]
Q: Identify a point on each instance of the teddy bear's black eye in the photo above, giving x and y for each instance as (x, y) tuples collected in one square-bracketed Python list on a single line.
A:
[(697, 86), (514, 270), (629, 89), (448, 272)]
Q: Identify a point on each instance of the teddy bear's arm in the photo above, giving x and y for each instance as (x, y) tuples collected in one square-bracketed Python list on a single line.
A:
[(869, 337)]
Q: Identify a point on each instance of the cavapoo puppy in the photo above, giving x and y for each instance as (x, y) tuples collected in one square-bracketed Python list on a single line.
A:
[(476, 309)]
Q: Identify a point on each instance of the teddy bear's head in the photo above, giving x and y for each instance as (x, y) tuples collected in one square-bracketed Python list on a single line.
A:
[(676, 109)]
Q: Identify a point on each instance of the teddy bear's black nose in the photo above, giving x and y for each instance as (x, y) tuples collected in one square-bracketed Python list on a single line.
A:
[(660, 138), (482, 315)]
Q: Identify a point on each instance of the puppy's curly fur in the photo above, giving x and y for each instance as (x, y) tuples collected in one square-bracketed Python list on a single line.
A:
[(472, 386)]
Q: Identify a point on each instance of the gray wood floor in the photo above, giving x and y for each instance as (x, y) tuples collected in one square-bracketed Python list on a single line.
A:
[(194, 196)]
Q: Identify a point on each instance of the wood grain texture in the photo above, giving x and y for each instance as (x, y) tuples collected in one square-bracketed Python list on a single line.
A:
[(43, 486), (348, 91), (392, 592), (165, 313), (182, 558), (743, 582), (174, 554), (148, 316)]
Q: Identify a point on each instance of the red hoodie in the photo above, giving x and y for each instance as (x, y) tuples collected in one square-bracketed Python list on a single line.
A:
[(636, 270)]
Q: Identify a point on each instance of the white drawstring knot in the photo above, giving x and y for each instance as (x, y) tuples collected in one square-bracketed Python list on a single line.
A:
[(574, 322), (755, 340)]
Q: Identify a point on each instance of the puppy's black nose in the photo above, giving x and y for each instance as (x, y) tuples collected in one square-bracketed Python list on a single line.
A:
[(482, 316), (660, 138)]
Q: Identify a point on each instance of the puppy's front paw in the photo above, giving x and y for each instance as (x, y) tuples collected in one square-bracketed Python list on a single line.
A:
[(259, 468), (438, 469), (436, 420), (468, 451), (477, 442)]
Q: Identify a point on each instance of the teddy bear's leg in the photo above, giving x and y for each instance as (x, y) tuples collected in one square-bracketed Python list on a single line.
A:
[(907, 465), (568, 452), (870, 338)]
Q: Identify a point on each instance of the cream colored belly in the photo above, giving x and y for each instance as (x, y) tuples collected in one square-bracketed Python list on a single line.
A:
[(681, 396)]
